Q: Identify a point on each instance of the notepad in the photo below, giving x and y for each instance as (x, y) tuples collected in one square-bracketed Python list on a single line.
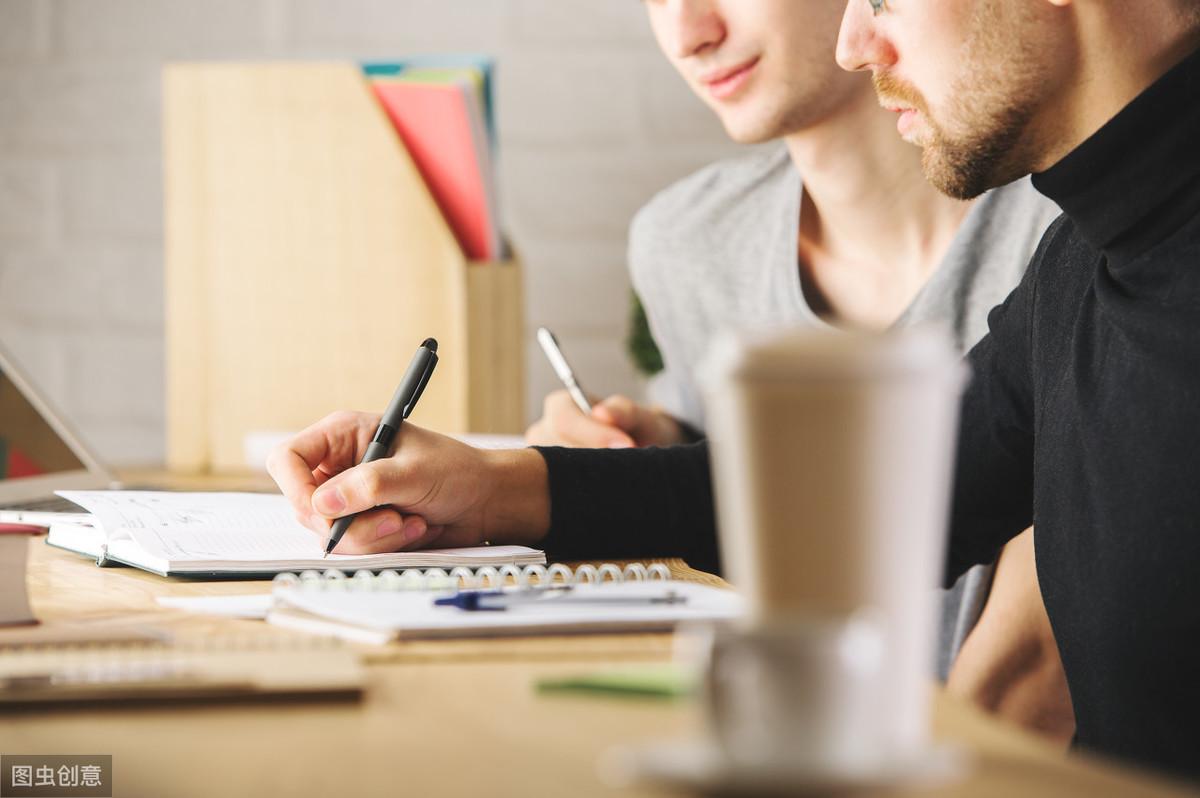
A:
[(379, 616), (232, 534)]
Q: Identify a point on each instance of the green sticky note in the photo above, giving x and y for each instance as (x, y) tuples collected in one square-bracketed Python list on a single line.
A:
[(654, 681)]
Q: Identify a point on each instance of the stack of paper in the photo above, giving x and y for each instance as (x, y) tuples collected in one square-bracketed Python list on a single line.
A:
[(442, 111)]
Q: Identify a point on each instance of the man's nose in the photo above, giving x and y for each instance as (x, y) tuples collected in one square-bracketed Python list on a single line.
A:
[(698, 25), (861, 44)]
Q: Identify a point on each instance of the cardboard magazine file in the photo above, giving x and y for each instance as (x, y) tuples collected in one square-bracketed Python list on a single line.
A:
[(306, 261)]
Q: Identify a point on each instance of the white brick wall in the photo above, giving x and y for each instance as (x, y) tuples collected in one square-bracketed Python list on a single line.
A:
[(27, 212), (592, 122), (133, 30), (23, 29)]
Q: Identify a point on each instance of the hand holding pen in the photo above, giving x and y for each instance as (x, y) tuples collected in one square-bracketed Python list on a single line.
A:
[(393, 485), (404, 400), (570, 418), (432, 490)]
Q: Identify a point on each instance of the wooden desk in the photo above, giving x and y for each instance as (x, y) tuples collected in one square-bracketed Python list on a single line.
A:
[(440, 718)]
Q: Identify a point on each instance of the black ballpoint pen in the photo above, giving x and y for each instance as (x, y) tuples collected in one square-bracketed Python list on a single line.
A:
[(415, 378)]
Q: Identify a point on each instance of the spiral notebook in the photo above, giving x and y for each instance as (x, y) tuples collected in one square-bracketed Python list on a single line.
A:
[(216, 535), (380, 608)]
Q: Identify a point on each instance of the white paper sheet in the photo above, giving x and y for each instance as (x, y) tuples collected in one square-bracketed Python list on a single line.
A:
[(253, 606)]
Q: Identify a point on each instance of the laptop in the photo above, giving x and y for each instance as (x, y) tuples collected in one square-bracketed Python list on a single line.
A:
[(39, 454)]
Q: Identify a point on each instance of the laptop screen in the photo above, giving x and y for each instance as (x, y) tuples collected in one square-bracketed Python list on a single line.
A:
[(29, 446)]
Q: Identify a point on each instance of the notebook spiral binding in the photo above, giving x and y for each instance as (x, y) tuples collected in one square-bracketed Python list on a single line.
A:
[(467, 578)]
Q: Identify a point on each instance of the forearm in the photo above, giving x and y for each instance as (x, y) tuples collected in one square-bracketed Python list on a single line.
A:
[(518, 509), (654, 502), (1010, 664)]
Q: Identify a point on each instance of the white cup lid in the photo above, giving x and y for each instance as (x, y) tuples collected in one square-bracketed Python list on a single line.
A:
[(808, 354)]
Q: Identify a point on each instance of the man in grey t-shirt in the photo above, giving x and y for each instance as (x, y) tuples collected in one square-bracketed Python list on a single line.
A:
[(719, 250), (862, 241)]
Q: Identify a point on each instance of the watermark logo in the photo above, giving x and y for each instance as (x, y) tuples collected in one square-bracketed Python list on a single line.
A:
[(55, 776)]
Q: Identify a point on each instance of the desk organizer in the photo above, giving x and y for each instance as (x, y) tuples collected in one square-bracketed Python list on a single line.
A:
[(306, 260)]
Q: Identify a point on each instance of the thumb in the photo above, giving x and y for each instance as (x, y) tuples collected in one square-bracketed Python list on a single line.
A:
[(365, 486), (617, 411)]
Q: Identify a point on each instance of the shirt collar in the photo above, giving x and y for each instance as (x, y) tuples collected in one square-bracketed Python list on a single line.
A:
[(1145, 159)]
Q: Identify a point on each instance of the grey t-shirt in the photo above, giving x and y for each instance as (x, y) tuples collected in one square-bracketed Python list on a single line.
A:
[(718, 250)]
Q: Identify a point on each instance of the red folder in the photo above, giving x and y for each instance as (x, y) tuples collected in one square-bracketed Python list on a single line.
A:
[(442, 128)]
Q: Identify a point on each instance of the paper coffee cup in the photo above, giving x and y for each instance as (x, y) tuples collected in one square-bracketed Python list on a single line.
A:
[(797, 697), (832, 456)]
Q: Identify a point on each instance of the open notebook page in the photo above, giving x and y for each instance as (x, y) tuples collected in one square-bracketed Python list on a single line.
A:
[(235, 528)]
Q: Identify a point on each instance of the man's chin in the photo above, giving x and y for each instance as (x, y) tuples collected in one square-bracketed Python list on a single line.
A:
[(966, 168), (741, 136), (956, 178), (747, 130)]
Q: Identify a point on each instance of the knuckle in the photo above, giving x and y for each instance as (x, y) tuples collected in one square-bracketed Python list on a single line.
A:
[(363, 532), (370, 483), (619, 405), (274, 457), (277, 459), (338, 418)]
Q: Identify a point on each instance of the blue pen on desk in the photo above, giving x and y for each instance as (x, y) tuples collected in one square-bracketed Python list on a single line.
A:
[(496, 600), (412, 384)]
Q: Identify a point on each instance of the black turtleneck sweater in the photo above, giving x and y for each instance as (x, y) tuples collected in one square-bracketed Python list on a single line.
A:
[(1083, 418)]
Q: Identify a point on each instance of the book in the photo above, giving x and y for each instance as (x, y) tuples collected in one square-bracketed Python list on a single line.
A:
[(378, 610), (439, 115), (99, 667), (231, 534), (14, 600)]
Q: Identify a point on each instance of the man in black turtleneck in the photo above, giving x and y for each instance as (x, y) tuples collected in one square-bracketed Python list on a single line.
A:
[(1084, 415)]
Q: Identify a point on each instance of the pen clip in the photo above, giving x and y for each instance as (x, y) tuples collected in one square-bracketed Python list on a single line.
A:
[(420, 389)]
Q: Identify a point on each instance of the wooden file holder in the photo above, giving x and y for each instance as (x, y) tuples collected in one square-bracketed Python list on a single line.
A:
[(306, 260)]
